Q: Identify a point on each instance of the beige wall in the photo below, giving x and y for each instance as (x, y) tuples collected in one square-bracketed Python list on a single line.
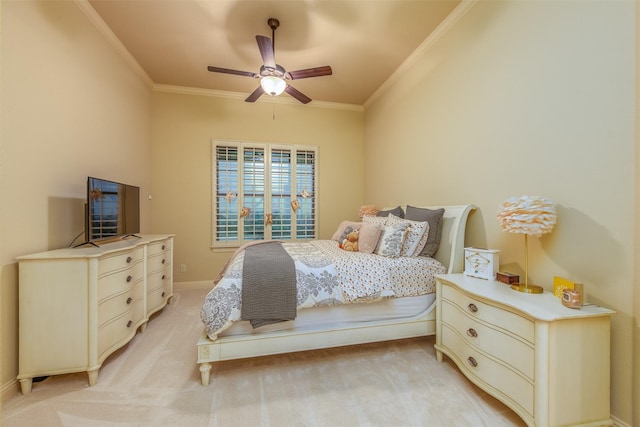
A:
[(71, 107), (183, 128), (527, 98), (636, 310)]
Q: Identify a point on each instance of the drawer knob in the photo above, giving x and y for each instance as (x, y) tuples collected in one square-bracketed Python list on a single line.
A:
[(472, 308), (129, 323), (163, 260), (163, 294), (129, 300), (164, 277), (129, 259), (472, 333), (163, 247), (129, 278), (472, 361)]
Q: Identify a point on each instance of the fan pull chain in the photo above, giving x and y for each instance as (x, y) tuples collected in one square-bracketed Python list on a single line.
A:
[(273, 107)]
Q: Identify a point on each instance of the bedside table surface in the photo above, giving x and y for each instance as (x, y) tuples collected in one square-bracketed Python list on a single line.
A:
[(545, 306)]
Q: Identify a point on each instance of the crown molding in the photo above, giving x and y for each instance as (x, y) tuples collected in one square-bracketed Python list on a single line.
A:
[(115, 42), (241, 97), (441, 30)]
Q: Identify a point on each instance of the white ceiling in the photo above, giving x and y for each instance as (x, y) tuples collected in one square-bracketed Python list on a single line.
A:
[(364, 41)]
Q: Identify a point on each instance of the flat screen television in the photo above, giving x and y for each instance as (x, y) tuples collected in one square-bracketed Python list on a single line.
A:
[(113, 210)]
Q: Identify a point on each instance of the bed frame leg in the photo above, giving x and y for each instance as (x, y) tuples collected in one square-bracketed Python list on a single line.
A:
[(205, 369)]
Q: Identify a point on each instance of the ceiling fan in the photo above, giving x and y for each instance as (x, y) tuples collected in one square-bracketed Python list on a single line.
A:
[(273, 76)]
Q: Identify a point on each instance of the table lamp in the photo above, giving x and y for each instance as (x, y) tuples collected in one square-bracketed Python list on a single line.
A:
[(531, 216)]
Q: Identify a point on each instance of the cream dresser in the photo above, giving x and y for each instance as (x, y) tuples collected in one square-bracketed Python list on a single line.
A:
[(547, 362), (77, 306)]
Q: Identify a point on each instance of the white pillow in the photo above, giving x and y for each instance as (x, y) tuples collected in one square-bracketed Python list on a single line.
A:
[(417, 235), (391, 240)]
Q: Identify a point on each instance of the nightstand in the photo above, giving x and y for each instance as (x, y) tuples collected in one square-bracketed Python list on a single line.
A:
[(547, 362)]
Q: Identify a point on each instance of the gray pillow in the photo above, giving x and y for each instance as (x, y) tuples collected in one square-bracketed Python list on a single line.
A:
[(434, 218), (396, 211), (346, 232)]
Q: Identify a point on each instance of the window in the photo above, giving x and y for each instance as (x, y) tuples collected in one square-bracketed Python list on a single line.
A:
[(263, 191)]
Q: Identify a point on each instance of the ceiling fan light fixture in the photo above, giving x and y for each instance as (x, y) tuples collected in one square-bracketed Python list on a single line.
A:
[(273, 85)]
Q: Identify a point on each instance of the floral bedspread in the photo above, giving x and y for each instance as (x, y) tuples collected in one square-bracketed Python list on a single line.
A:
[(326, 275)]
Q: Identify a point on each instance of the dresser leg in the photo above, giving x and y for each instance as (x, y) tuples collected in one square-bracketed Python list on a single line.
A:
[(25, 385), (205, 370), (439, 356), (93, 377), (143, 327)]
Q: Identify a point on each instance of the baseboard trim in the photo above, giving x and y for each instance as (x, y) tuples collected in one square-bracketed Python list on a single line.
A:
[(8, 390), (202, 284), (619, 423)]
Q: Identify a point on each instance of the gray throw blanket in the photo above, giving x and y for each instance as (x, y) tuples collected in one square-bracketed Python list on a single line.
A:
[(268, 285)]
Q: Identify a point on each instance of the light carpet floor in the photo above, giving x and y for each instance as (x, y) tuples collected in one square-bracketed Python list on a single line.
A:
[(154, 381)]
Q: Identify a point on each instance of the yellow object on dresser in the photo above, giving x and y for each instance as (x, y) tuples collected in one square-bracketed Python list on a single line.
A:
[(77, 306), (547, 362)]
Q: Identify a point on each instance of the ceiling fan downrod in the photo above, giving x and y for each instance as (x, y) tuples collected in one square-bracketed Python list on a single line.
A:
[(273, 23)]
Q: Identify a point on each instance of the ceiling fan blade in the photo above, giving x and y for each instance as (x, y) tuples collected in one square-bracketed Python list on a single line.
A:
[(236, 72), (266, 51), (310, 72), (255, 95), (297, 94)]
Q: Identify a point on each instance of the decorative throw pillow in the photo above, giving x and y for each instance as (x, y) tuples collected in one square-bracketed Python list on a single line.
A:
[(337, 236), (391, 239), (397, 211), (417, 235), (369, 236), (434, 218), (368, 219), (346, 232)]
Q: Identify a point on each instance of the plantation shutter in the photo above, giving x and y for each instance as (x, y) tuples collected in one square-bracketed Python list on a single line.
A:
[(255, 185), (305, 188)]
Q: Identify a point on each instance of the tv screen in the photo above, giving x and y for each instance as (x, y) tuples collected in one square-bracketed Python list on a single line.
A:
[(113, 209)]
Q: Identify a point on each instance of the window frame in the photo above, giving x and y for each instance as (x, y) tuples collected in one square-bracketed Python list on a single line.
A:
[(268, 148)]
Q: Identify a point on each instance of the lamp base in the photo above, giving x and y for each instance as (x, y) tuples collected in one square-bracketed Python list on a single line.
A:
[(528, 289)]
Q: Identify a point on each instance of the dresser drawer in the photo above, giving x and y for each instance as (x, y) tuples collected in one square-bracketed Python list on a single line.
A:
[(158, 262), (159, 247), (512, 351), (113, 332), (120, 281), (158, 279), (501, 318), (114, 306), (120, 260), (505, 381), (157, 298)]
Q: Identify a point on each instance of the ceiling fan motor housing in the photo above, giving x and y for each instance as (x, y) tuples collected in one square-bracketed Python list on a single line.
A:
[(279, 71)]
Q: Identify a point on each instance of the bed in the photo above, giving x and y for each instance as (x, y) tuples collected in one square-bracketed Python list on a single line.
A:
[(368, 317)]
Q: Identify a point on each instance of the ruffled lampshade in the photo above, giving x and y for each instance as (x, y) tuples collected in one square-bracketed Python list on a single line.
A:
[(531, 216)]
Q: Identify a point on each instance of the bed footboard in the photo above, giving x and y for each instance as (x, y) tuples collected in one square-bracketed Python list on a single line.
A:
[(243, 346)]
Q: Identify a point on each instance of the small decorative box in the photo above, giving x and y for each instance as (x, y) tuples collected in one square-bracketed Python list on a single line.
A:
[(506, 277), (482, 263)]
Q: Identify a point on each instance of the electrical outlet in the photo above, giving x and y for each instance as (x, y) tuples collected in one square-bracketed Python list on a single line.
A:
[(183, 268)]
